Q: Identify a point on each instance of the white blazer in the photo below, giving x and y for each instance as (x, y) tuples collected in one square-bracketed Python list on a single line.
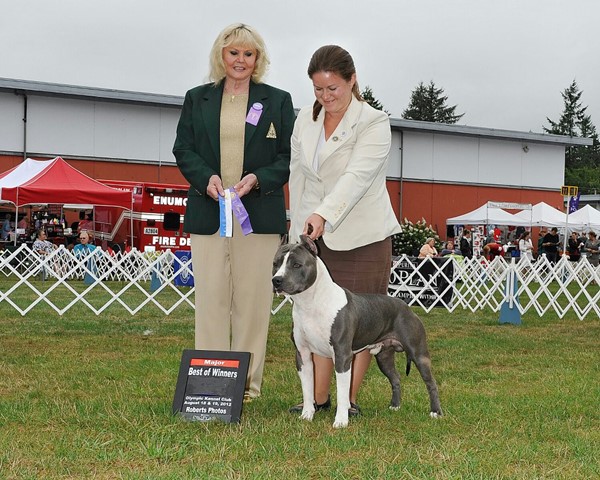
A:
[(349, 188)]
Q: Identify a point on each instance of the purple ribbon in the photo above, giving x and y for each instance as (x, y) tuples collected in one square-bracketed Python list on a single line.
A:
[(240, 213), (254, 114)]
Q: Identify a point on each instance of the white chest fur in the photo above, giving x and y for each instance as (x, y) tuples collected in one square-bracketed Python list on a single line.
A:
[(314, 312)]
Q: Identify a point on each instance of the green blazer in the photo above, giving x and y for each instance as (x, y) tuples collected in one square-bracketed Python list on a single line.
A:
[(267, 155)]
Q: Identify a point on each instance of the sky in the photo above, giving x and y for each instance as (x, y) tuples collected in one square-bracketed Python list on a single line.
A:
[(504, 63)]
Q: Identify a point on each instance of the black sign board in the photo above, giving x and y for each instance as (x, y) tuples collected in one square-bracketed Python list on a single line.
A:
[(211, 385), (412, 275)]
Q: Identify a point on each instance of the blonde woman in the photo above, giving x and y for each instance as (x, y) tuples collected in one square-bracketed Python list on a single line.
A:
[(428, 249), (234, 133)]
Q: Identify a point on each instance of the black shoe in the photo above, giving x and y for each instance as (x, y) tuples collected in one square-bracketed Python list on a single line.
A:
[(354, 410), (318, 406)]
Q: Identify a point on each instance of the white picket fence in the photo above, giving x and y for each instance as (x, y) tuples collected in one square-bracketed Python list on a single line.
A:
[(134, 280), (138, 280)]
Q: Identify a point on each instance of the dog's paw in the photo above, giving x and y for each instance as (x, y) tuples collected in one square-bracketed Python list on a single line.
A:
[(341, 419), (340, 423), (395, 408), (435, 414), (307, 415)]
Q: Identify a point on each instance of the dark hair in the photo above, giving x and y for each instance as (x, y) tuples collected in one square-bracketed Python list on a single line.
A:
[(332, 58)]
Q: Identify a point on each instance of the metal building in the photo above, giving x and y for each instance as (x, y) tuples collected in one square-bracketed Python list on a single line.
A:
[(435, 171)]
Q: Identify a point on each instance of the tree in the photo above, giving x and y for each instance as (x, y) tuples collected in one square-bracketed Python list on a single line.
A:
[(367, 95), (581, 162), (428, 103), (572, 114)]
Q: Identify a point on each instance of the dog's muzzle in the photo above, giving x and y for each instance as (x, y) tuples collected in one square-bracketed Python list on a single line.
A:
[(277, 283)]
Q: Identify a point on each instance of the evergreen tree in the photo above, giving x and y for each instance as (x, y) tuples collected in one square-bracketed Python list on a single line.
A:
[(590, 156), (581, 162), (367, 95), (428, 103), (572, 115)]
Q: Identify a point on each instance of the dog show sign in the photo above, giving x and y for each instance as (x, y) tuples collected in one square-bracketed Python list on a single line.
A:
[(211, 385), (428, 279)]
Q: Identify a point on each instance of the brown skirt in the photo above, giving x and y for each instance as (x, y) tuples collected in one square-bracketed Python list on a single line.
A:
[(361, 270)]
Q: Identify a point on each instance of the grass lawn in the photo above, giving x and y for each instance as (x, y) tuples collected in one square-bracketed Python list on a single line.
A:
[(83, 396)]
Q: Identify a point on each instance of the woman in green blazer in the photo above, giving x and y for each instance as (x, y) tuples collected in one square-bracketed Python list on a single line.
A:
[(234, 134)]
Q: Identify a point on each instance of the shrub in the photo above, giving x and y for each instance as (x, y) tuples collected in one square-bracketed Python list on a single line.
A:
[(412, 238)]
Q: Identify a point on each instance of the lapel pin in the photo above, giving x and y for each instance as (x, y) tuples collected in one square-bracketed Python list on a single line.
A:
[(272, 133)]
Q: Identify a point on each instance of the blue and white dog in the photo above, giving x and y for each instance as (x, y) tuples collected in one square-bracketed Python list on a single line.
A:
[(335, 323)]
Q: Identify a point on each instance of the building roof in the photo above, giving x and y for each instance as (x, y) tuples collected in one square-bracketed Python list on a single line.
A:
[(30, 87), (484, 132), (89, 93)]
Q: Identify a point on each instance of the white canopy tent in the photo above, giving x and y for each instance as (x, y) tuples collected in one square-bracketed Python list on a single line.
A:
[(543, 215), (485, 215), (586, 217)]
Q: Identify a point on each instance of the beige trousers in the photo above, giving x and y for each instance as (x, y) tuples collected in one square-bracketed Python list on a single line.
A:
[(234, 295)]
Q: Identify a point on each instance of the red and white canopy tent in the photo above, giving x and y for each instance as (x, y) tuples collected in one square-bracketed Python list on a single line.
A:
[(37, 182)]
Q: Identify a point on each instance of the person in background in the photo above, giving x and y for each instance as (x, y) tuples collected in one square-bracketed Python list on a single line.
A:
[(540, 243), (338, 195), (85, 223), (75, 225), (497, 234), (551, 243), (573, 247), (428, 249), (84, 246), (42, 245), (592, 248), (466, 247), (449, 249), (519, 231), (493, 250), (23, 223), (525, 245), (234, 134), (6, 227)]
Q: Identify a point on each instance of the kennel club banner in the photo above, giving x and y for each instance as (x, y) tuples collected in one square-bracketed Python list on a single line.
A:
[(210, 385), (426, 278)]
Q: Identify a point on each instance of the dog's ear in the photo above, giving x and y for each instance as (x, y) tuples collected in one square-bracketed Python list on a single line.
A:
[(307, 243), (283, 239)]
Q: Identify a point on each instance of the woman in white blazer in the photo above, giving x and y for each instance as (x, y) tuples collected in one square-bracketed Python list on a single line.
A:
[(338, 194)]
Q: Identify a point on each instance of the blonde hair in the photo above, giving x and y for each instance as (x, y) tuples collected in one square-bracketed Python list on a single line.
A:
[(242, 35)]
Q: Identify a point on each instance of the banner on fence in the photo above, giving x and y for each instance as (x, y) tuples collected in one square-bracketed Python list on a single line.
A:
[(182, 268), (428, 279), (211, 385)]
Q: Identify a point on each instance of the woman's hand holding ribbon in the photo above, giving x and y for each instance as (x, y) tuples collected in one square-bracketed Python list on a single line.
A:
[(215, 188), (246, 184)]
